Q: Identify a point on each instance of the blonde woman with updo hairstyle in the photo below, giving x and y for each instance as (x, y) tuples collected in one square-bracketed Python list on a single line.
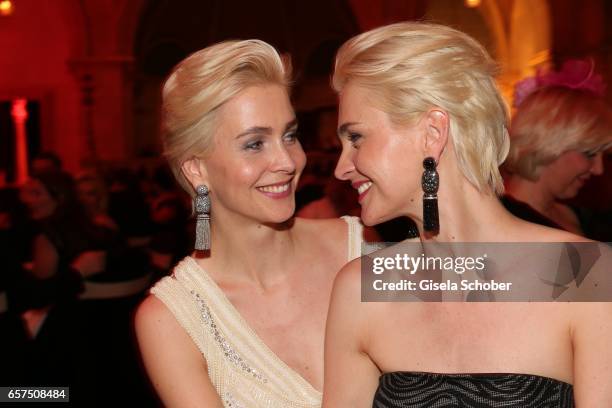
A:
[(415, 95), (559, 133), (242, 323)]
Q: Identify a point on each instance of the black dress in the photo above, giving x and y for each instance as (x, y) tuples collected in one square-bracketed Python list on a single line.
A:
[(428, 390)]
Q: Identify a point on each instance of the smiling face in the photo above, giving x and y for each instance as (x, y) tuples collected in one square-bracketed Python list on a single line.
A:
[(565, 176), (380, 159), (256, 159)]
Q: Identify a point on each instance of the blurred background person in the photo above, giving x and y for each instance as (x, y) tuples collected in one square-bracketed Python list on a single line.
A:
[(62, 248), (61, 232), (171, 238), (559, 134), (76, 292), (93, 195), (46, 162)]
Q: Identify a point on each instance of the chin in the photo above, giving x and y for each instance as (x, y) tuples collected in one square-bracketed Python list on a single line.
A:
[(282, 216), (370, 218), (569, 194)]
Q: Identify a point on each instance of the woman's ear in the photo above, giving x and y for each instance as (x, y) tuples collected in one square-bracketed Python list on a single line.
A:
[(437, 127), (195, 172)]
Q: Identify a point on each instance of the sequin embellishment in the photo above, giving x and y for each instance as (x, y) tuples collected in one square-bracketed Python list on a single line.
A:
[(228, 351), (230, 402)]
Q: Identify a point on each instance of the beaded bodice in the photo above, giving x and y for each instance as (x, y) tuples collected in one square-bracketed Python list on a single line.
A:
[(243, 370)]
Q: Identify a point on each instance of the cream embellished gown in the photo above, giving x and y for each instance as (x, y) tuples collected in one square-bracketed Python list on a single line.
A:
[(243, 370)]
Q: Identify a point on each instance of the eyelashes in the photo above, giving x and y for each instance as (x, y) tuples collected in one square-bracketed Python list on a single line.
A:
[(590, 154), (253, 145), (257, 144), (354, 138), (291, 136)]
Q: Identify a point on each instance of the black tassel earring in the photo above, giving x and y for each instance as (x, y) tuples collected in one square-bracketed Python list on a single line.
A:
[(430, 183)]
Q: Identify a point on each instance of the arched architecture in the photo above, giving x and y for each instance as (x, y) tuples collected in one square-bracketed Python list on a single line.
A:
[(94, 67)]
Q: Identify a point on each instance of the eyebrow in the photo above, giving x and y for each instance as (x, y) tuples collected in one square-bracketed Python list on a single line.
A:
[(265, 130), (343, 129)]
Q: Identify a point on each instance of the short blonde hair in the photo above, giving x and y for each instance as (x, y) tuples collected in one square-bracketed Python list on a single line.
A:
[(200, 84), (552, 121), (411, 67)]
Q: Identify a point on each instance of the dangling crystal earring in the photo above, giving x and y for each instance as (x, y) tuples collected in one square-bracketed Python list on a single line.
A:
[(430, 183), (202, 209)]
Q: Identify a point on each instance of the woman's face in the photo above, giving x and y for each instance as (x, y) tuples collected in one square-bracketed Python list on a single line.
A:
[(565, 176), (256, 159), (38, 200), (382, 160)]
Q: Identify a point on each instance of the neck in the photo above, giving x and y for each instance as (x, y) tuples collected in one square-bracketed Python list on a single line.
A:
[(530, 192), (251, 252)]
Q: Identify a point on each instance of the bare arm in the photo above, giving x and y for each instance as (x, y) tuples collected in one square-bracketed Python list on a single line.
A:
[(351, 378), (175, 365), (592, 337)]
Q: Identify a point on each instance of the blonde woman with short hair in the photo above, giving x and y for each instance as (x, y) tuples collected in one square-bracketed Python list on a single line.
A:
[(415, 95), (242, 324), (559, 133)]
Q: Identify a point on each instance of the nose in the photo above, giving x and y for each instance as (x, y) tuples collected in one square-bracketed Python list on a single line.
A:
[(283, 160), (345, 165), (597, 166)]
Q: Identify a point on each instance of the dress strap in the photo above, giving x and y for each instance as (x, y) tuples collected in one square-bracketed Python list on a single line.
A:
[(355, 236)]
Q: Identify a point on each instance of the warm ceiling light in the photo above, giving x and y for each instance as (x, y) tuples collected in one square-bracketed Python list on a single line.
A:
[(472, 3), (6, 7)]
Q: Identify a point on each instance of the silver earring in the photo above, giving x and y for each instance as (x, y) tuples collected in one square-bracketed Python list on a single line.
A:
[(202, 209)]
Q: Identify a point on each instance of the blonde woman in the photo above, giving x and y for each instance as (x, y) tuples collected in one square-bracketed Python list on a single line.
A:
[(241, 325), (560, 131), (414, 94)]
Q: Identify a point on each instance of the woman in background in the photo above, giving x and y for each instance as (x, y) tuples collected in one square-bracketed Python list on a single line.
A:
[(559, 133), (416, 100), (66, 244), (65, 247)]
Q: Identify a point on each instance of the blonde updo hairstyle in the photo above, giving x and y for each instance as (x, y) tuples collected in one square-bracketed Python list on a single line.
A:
[(200, 84), (554, 120), (411, 67)]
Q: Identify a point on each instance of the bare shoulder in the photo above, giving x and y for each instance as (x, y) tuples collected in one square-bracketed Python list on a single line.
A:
[(591, 336), (530, 232), (348, 281), (346, 308), (152, 311), (157, 327), (584, 312), (177, 369), (590, 325), (351, 377)]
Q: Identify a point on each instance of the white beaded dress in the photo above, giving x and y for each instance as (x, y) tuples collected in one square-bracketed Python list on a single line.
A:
[(243, 370)]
